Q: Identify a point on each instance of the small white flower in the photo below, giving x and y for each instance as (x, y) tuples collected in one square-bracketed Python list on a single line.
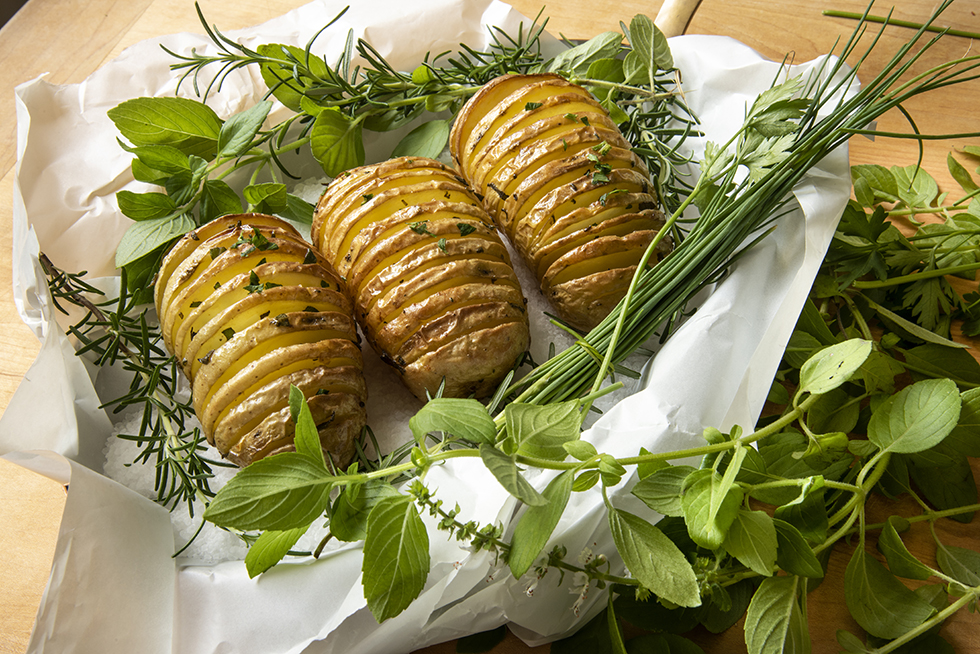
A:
[(585, 556), (580, 582), (529, 591)]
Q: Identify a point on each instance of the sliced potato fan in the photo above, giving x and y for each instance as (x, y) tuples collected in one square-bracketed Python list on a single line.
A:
[(558, 177), (250, 309), (431, 282)]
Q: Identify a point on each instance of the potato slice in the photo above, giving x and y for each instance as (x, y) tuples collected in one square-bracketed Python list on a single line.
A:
[(560, 180), (250, 309), (431, 282)]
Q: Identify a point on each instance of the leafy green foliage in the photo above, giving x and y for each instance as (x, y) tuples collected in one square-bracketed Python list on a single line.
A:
[(396, 557)]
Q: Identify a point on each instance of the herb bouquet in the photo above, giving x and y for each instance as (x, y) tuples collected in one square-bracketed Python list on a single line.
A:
[(715, 371)]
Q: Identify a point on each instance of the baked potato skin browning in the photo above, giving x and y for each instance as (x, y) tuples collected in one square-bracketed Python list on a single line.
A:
[(432, 284), (560, 180), (249, 309)]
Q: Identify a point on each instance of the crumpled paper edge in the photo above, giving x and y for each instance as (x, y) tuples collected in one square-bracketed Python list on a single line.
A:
[(483, 596)]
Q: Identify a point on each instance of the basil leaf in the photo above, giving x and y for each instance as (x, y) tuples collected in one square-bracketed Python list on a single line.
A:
[(218, 199), (653, 559), (938, 362), (752, 540), (504, 469), (917, 417), (464, 418), (774, 622), (164, 158), (143, 173), (337, 142), (190, 126), (538, 523), (396, 557), (145, 206), (581, 450), (879, 602), (793, 554), (949, 487), (306, 438), (145, 236), (542, 430), (901, 562), (709, 508), (349, 518), (662, 490), (808, 512), (297, 210), (960, 174), (280, 492), (961, 564), (832, 366), (270, 548), (237, 133), (427, 140), (266, 198), (717, 619)]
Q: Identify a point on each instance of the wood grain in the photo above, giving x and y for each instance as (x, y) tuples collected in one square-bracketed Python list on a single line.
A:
[(68, 39)]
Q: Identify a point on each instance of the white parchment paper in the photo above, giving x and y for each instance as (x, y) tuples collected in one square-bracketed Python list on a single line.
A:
[(114, 587)]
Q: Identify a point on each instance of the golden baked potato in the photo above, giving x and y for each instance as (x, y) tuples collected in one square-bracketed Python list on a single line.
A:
[(250, 309), (558, 177), (432, 284)]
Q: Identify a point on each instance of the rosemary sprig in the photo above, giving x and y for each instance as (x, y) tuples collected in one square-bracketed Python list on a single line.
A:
[(116, 331)]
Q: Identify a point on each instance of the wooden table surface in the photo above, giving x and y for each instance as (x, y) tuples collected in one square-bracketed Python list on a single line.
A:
[(69, 39)]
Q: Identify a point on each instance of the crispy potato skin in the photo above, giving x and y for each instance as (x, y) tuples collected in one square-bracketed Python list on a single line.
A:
[(250, 309), (560, 180), (432, 284)]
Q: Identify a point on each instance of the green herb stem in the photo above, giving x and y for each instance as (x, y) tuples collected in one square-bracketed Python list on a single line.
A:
[(834, 13), (916, 276)]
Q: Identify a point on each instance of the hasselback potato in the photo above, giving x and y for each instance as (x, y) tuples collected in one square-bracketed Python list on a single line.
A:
[(559, 178), (249, 309), (431, 282)]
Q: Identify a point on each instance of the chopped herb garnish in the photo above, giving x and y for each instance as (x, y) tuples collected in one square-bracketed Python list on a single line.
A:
[(531, 105), (257, 241), (420, 228), (282, 320), (442, 244), (228, 332), (311, 309), (602, 148), (367, 198), (465, 228), (572, 117), (216, 252), (195, 304), (615, 191), (310, 257), (217, 285), (585, 120)]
